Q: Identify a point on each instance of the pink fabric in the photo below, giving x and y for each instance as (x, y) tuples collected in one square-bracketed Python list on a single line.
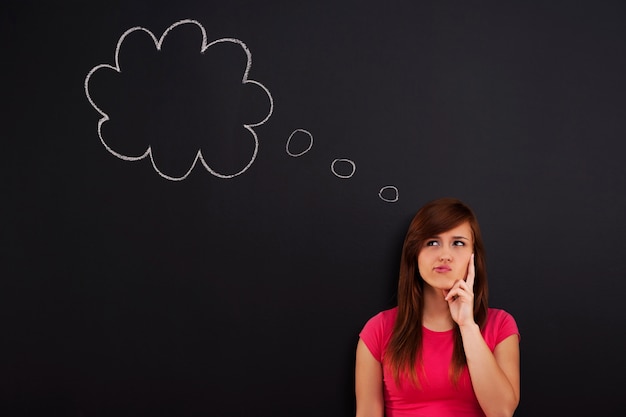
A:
[(438, 397)]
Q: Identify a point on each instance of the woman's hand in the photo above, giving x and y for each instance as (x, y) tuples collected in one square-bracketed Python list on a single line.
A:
[(460, 297)]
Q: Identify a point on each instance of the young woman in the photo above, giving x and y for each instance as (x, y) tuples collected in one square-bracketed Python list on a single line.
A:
[(442, 351)]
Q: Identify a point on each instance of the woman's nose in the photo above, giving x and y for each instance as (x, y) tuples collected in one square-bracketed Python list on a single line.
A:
[(445, 256)]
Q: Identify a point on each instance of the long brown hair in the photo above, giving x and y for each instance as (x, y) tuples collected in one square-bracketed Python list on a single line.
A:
[(404, 350)]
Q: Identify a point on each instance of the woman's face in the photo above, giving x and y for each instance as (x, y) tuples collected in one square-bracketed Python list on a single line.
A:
[(443, 260)]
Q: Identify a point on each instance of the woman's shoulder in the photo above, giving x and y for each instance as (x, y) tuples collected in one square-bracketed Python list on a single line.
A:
[(383, 320), (385, 316), (500, 324), (377, 331), (498, 314)]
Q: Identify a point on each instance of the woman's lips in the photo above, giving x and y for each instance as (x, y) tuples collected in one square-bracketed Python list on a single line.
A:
[(443, 268)]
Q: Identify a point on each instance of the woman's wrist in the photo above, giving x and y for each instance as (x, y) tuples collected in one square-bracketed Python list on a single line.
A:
[(469, 327)]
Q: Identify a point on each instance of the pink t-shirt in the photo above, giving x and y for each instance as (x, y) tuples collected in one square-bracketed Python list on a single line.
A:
[(438, 397)]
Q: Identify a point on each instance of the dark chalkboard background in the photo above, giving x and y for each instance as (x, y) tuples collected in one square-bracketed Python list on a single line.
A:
[(125, 293)]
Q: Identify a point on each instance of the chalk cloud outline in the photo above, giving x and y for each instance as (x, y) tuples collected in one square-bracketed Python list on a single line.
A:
[(199, 157)]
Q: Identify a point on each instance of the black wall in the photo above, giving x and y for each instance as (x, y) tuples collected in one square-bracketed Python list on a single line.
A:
[(140, 288)]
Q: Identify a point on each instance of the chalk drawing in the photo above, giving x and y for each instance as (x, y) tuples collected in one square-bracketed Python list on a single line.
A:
[(343, 161), (199, 157), (300, 132), (340, 167), (389, 189)]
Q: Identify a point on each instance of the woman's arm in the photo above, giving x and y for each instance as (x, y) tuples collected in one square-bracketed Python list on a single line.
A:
[(368, 383), (495, 376)]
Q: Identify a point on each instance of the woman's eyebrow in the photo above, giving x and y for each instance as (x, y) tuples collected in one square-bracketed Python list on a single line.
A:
[(453, 237)]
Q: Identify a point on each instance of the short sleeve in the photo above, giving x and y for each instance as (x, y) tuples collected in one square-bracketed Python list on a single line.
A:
[(377, 332), (372, 336), (500, 325)]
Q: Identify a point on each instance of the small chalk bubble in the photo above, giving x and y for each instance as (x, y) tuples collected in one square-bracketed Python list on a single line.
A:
[(299, 139), (389, 193), (343, 168)]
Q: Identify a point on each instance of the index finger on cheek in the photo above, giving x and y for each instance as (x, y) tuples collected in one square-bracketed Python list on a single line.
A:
[(471, 272)]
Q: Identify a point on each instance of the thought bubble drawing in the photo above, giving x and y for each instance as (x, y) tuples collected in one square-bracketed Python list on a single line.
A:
[(341, 167), (338, 166), (179, 99), (389, 193), (152, 130), (300, 136)]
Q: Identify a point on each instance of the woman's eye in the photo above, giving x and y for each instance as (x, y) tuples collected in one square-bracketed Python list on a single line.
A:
[(432, 243), (458, 243)]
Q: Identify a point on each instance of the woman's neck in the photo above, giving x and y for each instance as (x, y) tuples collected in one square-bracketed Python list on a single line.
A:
[(436, 313)]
